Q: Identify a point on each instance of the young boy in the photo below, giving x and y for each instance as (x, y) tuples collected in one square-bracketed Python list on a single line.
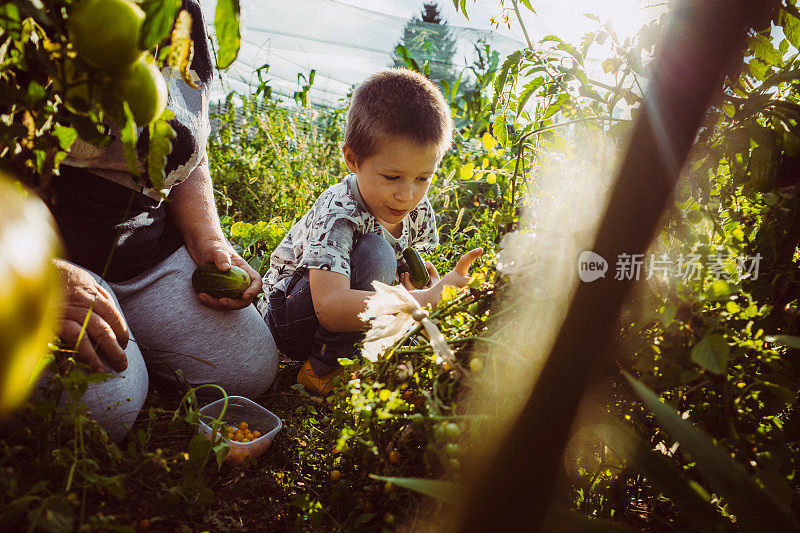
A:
[(398, 128)]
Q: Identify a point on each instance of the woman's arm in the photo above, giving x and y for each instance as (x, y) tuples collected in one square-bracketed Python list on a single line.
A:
[(192, 209)]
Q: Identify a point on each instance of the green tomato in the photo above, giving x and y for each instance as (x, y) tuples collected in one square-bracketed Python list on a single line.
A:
[(452, 450), (453, 465), (438, 433), (105, 33), (452, 431), (145, 90), (476, 365)]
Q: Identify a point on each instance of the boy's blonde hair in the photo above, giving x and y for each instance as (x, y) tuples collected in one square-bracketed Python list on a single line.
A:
[(397, 102)]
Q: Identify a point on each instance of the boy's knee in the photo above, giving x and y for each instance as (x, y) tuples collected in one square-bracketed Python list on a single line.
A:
[(373, 259)]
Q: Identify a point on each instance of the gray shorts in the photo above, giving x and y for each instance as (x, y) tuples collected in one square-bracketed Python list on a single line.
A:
[(170, 330)]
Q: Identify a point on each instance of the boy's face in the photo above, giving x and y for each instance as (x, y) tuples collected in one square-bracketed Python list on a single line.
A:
[(393, 180)]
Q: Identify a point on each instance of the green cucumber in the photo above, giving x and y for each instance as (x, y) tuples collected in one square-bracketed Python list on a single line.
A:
[(231, 284), (416, 267)]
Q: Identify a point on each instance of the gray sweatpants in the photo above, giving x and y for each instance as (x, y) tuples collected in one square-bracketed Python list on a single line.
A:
[(170, 329)]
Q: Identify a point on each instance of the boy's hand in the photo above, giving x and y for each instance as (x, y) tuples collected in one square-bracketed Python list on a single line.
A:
[(405, 278), (459, 276)]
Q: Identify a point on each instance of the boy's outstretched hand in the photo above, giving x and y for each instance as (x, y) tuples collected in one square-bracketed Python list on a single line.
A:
[(459, 276)]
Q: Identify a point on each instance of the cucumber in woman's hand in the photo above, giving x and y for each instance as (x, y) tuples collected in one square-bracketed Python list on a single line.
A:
[(416, 268), (231, 284)]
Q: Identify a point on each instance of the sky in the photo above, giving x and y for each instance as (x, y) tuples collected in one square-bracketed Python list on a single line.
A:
[(346, 40)]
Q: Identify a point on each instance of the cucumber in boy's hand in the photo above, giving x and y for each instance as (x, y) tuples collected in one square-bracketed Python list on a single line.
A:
[(218, 284), (419, 276)]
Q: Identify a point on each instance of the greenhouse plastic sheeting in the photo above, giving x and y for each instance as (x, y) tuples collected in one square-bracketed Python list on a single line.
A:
[(343, 43)]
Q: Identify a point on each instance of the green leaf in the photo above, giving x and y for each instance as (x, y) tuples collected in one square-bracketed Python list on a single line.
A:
[(10, 19), (221, 449), (786, 395), (88, 130), (755, 508), (466, 172), (499, 129), (780, 77), (446, 491), (784, 340), (128, 138), (527, 3), (571, 50), (763, 50), (35, 94), (762, 164), (690, 499), (611, 64), (161, 135), (527, 91), (556, 106), (500, 81), (403, 53), (712, 353), (54, 515), (489, 142), (729, 109), (159, 17), (720, 289), (791, 28), (226, 22), (758, 68), (66, 136)]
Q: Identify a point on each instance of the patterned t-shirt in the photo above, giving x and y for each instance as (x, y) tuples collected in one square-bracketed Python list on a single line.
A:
[(191, 125), (325, 236)]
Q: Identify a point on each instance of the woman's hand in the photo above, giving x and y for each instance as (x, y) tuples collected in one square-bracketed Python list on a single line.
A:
[(106, 333), (193, 211), (223, 256)]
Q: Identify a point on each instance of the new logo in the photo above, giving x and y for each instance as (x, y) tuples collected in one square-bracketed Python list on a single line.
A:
[(591, 266)]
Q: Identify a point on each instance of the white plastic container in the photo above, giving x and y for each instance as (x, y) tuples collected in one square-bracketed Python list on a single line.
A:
[(241, 409)]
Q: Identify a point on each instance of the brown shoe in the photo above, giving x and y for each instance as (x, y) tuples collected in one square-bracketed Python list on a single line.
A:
[(322, 385)]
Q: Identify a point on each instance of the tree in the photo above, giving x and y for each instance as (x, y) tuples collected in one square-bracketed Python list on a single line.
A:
[(427, 39)]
